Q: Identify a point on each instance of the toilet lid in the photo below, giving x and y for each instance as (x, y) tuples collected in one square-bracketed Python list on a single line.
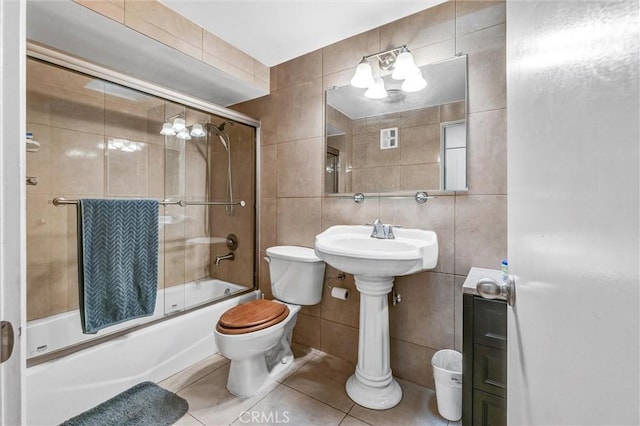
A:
[(252, 316)]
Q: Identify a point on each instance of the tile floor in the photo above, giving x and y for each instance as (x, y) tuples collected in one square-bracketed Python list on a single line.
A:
[(311, 393)]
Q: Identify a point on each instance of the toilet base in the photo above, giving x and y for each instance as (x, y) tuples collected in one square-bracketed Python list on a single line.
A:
[(250, 376)]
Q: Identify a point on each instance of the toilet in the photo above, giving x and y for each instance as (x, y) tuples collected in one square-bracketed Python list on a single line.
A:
[(256, 335)]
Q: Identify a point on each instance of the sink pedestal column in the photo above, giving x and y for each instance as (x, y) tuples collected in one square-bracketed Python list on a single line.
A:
[(372, 385)]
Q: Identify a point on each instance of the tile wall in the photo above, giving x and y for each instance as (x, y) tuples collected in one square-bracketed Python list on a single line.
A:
[(471, 226)]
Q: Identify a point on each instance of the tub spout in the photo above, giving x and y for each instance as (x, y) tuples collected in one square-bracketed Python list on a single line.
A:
[(229, 256)]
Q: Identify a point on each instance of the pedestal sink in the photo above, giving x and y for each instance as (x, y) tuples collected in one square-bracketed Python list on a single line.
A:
[(374, 263)]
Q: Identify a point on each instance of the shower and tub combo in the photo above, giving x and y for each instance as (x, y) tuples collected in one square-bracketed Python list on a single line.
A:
[(101, 140)]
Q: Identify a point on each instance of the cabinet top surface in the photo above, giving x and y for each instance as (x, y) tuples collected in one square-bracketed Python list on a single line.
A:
[(475, 275)]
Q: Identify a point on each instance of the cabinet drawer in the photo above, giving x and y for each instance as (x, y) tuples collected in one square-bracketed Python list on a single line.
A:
[(489, 410), (490, 370), (490, 323)]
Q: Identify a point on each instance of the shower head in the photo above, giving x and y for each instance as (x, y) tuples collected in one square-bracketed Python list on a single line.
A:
[(219, 131)]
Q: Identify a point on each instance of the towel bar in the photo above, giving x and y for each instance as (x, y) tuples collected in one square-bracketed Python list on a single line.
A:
[(59, 201)]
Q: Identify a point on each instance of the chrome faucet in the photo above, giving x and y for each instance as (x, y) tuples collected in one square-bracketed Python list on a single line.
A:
[(219, 259), (382, 231)]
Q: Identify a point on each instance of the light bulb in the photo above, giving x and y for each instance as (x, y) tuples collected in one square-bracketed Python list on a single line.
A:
[(363, 76), (167, 130), (377, 91), (414, 83), (184, 134), (178, 125), (197, 131), (404, 66)]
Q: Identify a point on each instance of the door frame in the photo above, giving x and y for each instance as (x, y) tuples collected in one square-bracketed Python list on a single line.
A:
[(13, 205)]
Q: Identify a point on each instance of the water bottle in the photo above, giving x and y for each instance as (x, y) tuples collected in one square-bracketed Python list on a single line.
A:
[(505, 270)]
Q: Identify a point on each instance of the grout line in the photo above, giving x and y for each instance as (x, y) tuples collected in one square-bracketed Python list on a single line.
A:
[(316, 399)]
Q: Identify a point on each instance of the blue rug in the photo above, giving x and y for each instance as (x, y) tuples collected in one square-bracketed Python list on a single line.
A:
[(145, 404)]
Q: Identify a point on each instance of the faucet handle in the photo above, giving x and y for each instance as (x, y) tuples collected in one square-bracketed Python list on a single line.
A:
[(390, 234), (374, 223)]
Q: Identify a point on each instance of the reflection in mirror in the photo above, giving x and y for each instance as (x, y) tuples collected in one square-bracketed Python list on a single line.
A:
[(402, 142)]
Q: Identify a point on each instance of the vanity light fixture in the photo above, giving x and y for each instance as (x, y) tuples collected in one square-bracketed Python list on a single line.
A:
[(398, 59)]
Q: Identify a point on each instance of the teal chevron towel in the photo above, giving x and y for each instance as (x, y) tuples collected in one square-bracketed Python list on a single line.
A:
[(117, 261)]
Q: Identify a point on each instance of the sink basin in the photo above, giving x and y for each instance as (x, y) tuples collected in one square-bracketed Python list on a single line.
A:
[(352, 250)]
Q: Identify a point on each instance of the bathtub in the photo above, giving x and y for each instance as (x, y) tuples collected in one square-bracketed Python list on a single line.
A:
[(63, 387), (63, 330)]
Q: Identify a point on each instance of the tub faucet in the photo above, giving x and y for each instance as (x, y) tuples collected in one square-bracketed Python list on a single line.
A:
[(229, 256)]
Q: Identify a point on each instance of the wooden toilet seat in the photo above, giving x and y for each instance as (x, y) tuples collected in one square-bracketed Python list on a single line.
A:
[(252, 316)]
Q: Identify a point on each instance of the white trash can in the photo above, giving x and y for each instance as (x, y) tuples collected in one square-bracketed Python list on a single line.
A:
[(447, 373)]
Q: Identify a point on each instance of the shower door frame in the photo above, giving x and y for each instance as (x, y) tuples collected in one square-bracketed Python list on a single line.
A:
[(64, 60)]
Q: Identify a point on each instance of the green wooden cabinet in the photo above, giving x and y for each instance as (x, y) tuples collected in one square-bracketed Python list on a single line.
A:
[(484, 349)]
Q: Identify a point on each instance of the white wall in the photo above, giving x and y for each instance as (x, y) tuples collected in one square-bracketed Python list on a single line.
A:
[(573, 200)]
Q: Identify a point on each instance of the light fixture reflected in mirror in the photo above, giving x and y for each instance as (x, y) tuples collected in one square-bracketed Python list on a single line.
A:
[(399, 60), (377, 90), (176, 126)]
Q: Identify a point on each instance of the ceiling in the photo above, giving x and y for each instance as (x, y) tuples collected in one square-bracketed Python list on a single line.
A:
[(277, 31)]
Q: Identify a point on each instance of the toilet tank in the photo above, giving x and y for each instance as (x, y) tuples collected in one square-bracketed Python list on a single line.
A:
[(297, 274)]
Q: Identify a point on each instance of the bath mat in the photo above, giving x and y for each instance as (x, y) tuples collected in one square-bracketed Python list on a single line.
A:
[(145, 404)]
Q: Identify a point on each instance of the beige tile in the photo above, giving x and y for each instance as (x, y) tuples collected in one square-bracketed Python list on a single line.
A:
[(418, 407), (58, 97), (222, 64), (300, 111), (220, 49), (486, 50), (262, 73), (175, 31), (78, 160), (434, 52), (477, 15), (347, 53), (210, 403), (324, 378), (427, 304), (265, 110), (419, 144), (268, 172), (487, 152), (376, 179), (435, 215), (302, 355), (300, 70), (346, 312), (430, 26), (306, 331), (155, 171), (453, 111), (285, 405), (298, 221), (192, 374), (420, 177), (459, 281), (300, 165), (113, 9), (195, 175), (352, 421), (412, 362), (480, 232), (338, 79), (340, 340), (127, 168), (268, 216), (344, 211), (187, 420), (131, 117)]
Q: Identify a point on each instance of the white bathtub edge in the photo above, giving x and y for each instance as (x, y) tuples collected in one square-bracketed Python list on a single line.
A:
[(64, 387)]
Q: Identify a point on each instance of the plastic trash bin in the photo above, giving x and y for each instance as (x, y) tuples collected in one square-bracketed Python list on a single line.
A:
[(447, 373)]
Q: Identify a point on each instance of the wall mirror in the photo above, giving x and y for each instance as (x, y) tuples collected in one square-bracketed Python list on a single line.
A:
[(404, 142)]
